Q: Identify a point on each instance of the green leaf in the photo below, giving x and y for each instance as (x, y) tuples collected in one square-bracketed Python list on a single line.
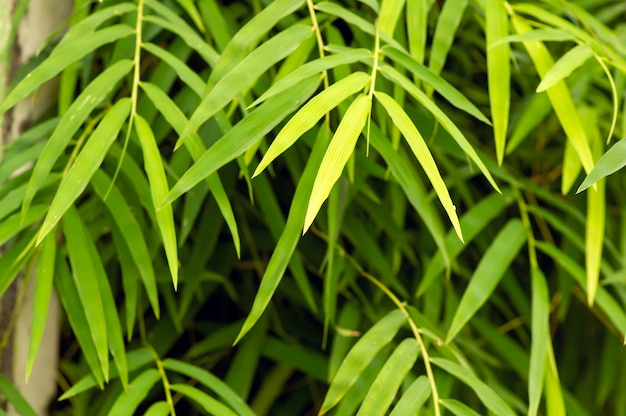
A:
[(205, 401), (341, 147), (594, 237), (195, 146), (127, 402), (41, 298), (311, 113), (245, 73), (14, 397), (613, 160), (493, 264), (243, 135), (360, 355), (490, 398), (76, 114), (567, 64), (393, 75), (450, 93), (85, 164), (315, 67), (560, 97), (61, 58), (498, 72), (210, 381), (540, 332), (158, 189), (77, 317), (130, 231), (389, 14), (544, 35), (186, 74), (413, 398), (447, 25), (89, 292), (423, 155), (458, 408), (385, 387), (158, 409)]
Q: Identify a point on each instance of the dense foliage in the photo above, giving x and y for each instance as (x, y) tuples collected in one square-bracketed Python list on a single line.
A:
[(290, 207)]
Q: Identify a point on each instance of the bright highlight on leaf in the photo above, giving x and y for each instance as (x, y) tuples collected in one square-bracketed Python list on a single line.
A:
[(340, 148), (423, 155), (566, 64), (311, 113)]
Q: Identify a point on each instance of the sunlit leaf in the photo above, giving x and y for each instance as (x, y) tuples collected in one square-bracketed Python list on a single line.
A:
[(567, 64)]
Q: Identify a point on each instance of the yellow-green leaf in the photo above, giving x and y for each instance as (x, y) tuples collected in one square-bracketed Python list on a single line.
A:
[(567, 64), (158, 189), (339, 151), (498, 72), (310, 114), (423, 155)]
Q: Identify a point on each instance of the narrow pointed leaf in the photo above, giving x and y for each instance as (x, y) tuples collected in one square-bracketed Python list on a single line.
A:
[(360, 355), (246, 72), (560, 97), (498, 72), (567, 64), (594, 237), (86, 163), (423, 155), (413, 398), (341, 147), (89, 292), (311, 113), (206, 402), (390, 11), (128, 402), (385, 387), (74, 117), (41, 298), (243, 135), (494, 263), (458, 408), (158, 189), (540, 331), (13, 396), (447, 25), (544, 35), (130, 230), (315, 67), (613, 160), (60, 59), (490, 398)]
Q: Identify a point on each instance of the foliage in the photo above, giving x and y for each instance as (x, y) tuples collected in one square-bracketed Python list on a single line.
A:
[(240, 207)]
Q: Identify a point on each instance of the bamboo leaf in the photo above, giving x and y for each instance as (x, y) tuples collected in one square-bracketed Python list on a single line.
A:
[(385, 387), (75, 116), (89, 292), (128, 402), (158, 189), (13, 396), (458, 408), (245, 73), (560, 97), (543, 35), (540, 332), (158, 409), (130, 231), (360, 355), (186, 74), (423, 155), (341, 147), (454, 96), (243, 135), (86, 163), (393, 75), (195, 146), (41, 298), (312, 68), (498, 72), (205, 401), (413, 398), (613, 160), (447, 25), (494, 263), (311, 113), (77, 317), (490, 398), (594, 237), (389, 14), (567, 64), (60, 59)]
